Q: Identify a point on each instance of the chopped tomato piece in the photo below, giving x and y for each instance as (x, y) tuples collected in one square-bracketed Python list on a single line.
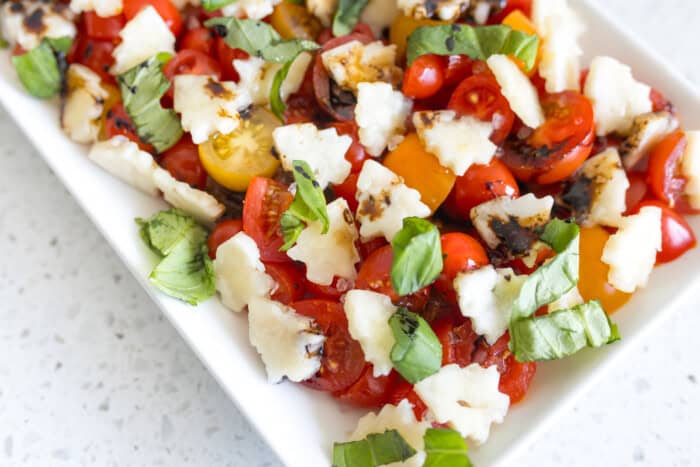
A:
[(165, 8), (105, 29), (664, 168), (290, 282), (265, 202), (676, 235), (370, 391), (460, 253), (223, 231)]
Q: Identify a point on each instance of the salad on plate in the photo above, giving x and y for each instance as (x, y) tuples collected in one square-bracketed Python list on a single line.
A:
[(416, 202)]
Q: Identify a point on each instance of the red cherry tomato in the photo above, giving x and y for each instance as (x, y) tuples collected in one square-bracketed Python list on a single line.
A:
[(510, 5), (356, 154), (479, 184), (226, 56), (347, 191), (676, 235), (424, 77), (165, 8), (182, 161), (342, 359), (369, 391), (94, 54), (265, 202), (118, 122), (370, 246), (480, 96), (337, 289), (458, 341), (223, 231), (106, 29), (460, 253), (404, 390), (290, 282), (200, 39), (637, 191), (190, 62), (458, 68), (659, 102), (664, 167)]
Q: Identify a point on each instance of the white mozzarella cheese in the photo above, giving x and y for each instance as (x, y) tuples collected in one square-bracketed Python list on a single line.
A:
[(518, 90), (197, 203), (384, 201), (379, 15), (353, 63), (332, 254), (322, 9), (144, 36), (257, 77), (323, 150), (616, 96), (103, 8), (83, 105), (609, 186), (253, 9), (239, 273), (456, 142), (289, 344), (55, 21), (123, 159), (446, 10), (467, 399), (368, 316), (647, 130), (690, 167), (398, 417), (631, 252), (208, 106), (381, 116)]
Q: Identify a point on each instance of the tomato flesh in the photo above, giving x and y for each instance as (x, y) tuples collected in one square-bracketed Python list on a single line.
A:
[(265, 202), (100, 28), (664, 167), (190, 62), (458, 341), (182, 161), (165, 8), (404, 390), (290, 282), (356, 153), (369, 391), (424, 77), (94, 54), (223, 231), (460, 253), (200, 39), (676, 235)]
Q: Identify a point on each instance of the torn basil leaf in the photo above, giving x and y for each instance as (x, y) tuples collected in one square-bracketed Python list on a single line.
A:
[(347, 16), (417, 352), (417, 256), (375, 450), (142, 87), (213, 5), (41, 70), (277, 104), (477, 42), (165, 230), (445, 448)]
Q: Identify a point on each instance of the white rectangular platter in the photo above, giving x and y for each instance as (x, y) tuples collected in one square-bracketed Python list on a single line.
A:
[(299, 424)]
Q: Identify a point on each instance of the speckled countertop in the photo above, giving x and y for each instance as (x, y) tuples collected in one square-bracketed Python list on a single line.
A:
[(91, 373)]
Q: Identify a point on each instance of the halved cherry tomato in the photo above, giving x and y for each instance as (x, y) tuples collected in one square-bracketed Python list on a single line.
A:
[(659, 102), (425, 77), (457, 69), (290, 282), (347, 191), (480, 96), (182, 161), (637, 191), (118, 122), (676, 235), (226, 56), (165, 8), (664, 167), (510, 5), (356, 154), (370, 391), (201, 39), (223, 231), (106, 29), (190, 62), (460, 253), (94, 54), (404, 390), (342, 359), (458, 341), (337, 289), (265, 202), (479, 184), (295, 21), (370, 246)]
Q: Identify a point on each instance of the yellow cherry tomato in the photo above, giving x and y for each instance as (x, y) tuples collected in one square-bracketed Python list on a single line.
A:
[(403, 27), (295, 22), (233, 160)]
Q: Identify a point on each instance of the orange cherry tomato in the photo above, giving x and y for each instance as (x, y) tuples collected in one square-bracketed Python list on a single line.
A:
[(290, 282), (460, 253), (265, 202), (182, 161), (370, 391), (664, 167), (425, 77), (295, 22), (201, 39), (676, 235), (105, 29), (190, 62), (223, 231), (165, 8)]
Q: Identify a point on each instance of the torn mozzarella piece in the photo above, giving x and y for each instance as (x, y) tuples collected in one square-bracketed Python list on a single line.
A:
[(379, 15), (257, 77), (82, 109), (123, 159), (354, 62), (616, 96), (445, 10), (381, 115), (456, 142), (690, 167), (240, 274), (27, 23), (467, 399), (144, 36), (289, 344), (197, 203), (631, 252), (253, 9), (103, 8), (384, 201), (647, 130), (323, 10), (331, 254), (518, 90)]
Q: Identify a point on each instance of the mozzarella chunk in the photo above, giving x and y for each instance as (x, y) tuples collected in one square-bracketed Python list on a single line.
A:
[(445, 10), (647, 130), (616, 96), (384, 201), (368, 316), (379, 15), (332, 254), (354, 62), (257, 77), (465, 398), (486, 296), (208, 106), (456, 142), (289, 344), (560, 28), (323, 150), (253, 9), (144, 36), (123, 159), (381, 115), (631, 252), (322, 9), (26, 23), (690, 166), (83, 106), (518, 90), (398, 417), (608, 188), (197, 203), (103, 8)]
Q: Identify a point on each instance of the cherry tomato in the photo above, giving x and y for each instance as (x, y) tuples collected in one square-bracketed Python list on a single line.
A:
[(118, 122), (165, 8), (458, 341), (190, 62), (370, 391), (337, 289), (479, 184), (404, 390), (659, 102), (342, 359), (200, 39), (265, 202), (356, 154), (480, 96), (460, 252), (676, 235), (182, 161), (511, 5), (637, 191), (226, 56), (290, 282), (458, 68), (302, 106), (664, 167), (347, 191), (424, 77), (294, 21), (223, 231), (100, 28), (370, 246), (94, 54)]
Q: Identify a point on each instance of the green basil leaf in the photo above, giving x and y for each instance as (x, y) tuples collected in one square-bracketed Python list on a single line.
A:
[(276, 102), (562, 333), (212, 5), (41, 70), (347, 15), (60, 44), (373, 451), (445, 448), (142, 87), (165, 230), (477, 42), (417, 352), (417, 256), (291, 227)]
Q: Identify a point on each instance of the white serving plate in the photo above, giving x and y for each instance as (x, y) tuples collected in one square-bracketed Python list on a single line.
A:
[(299, 424)]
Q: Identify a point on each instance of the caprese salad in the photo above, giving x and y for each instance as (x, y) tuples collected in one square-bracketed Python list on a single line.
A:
[(415, 201)]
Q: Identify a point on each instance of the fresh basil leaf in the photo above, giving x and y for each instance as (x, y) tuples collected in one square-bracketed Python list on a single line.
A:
[(277, 104), (477, 42), (165, 230), (375, 450), (60, 44), (212, 5), (562, 333), (417, 352), (41, 70), (142, 87), (291, 227), (347, 15), (445, 448), (417, 256), (559, 234)]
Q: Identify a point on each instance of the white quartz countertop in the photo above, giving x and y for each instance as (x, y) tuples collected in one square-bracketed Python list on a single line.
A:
[(91, 373)]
